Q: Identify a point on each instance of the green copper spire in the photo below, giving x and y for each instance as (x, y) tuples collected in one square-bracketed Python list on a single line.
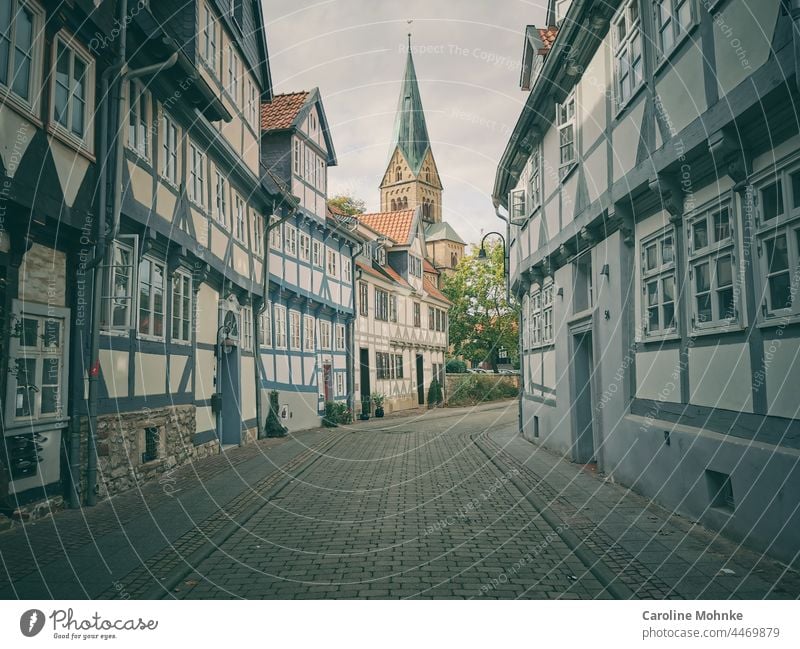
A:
[(410, 131)]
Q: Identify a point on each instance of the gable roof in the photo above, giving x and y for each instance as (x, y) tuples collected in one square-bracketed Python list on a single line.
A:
[(410, 130), (442, 232), (286, 111), (281, 112), (397, 225), (386, 273)]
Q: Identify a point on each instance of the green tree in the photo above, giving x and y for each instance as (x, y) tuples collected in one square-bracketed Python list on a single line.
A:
[(350, 205), (482, 320)]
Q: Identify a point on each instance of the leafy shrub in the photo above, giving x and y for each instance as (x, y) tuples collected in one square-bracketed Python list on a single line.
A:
[(455, 366), (273, 426), (435, 393), (336, 413), (478, 388)]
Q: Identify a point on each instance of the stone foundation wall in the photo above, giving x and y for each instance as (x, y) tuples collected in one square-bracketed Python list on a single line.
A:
[(121, 442)]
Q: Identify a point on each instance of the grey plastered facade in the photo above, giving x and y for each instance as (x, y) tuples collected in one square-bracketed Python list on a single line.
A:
[(656, 259)]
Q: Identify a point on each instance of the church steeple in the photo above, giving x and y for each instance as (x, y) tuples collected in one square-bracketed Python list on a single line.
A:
[(411, 178), (410, 130)]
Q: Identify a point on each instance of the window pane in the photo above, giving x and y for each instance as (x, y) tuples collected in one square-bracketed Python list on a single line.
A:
[(722, 225), (700, 234), (62, 85), (772, 200), (652, 294), (26, 387), (796, 189), (29, 333), (779, 292), (704, 308), (777, 254), (52, 334), (669, 315), (5, 48), (667, 251), (701, 278), (668, 288), (724, 271), (651, 257), (79, 97), (725, 303), (22, 55), (50, 383)]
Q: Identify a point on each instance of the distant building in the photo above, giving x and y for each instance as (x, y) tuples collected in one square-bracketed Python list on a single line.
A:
[(653, 188), (412, 179), (401, 326), (307, 323)]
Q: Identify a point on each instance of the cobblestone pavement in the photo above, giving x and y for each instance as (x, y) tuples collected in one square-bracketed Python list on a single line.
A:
[(440, 504)]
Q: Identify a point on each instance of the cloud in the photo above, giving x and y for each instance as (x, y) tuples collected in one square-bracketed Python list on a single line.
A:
[(467, 57)]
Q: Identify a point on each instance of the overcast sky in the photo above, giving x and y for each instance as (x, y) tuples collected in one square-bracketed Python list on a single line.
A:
[(467, 56)]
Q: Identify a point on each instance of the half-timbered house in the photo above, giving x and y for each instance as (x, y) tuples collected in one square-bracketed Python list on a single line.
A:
[(307, 323), (652, 188)]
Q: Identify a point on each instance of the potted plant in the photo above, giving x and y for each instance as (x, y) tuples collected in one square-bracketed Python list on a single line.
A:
[(378, 400), (366, 407)]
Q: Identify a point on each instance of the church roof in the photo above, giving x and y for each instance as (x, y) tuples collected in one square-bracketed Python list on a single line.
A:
[(410, 130), (395, 225), (442, 232)]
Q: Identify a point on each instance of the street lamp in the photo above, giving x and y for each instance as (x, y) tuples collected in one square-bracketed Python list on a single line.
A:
[(482, 252)]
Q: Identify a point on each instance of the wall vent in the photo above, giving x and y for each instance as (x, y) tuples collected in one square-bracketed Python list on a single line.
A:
[(720, 490)]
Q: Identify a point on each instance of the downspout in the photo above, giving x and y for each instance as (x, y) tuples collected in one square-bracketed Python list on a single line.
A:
[(94, 368), (351, 369)]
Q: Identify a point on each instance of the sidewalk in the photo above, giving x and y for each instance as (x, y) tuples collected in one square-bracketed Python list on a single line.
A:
[(656, 553)]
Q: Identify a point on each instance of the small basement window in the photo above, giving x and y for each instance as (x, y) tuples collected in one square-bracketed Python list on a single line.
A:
[(151, 444), (720, 490)]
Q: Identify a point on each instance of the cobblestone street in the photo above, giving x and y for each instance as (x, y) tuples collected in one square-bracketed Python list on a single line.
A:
[(444, 504)]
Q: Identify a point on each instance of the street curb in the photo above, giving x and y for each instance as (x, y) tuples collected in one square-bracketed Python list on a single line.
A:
[(601, 572)]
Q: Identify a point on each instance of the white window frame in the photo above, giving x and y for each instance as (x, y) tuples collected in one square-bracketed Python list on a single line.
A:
[(297, 157), (169, 149), (279, 327), (535, 179), (140, 110), (221, 200), (708, 253), (566, 124), (197, 175), (234, 72), (240, 218), (305, 246), (363, 299), (673, 19), (660, 272), (316, 247), (252, 105), (181, 313), (295, 332), (246, 328), (516, 205), (340, 338), (257, 221), (627, 80), (309, 333), (265, 321), (76, 50), (381, 304), (290, 240), (41, 354), (347, 265), (324, 334), (210, 38), (332, 265), (129, 245), (785, 223), (275, 234), (30, 102), (150, 333), (540, 321)]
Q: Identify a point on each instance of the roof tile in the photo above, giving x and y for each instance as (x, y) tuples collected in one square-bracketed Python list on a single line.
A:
[(281, 111), (434, 292), (395, 225), (548, 36)]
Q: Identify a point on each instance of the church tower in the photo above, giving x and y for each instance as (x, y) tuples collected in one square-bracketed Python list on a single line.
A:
[(411, 178)]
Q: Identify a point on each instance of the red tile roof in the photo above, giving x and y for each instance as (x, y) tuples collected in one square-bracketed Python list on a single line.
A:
[(281, 111), (391, 272), (428, 267), (386, 273), (395, 225), (548, 36), (434, 292)]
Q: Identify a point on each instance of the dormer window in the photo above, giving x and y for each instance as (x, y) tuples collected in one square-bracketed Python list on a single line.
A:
[(379, 255)]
